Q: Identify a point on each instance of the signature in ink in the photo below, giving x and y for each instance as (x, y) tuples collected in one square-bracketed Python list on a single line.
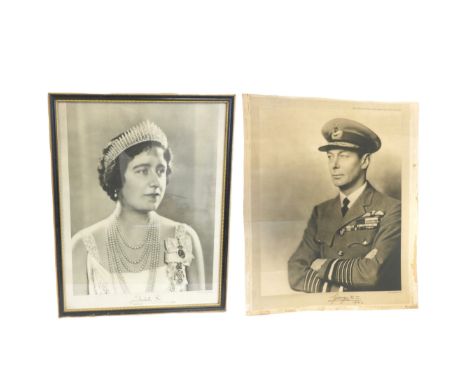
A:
[(142, 300), (339, 299)]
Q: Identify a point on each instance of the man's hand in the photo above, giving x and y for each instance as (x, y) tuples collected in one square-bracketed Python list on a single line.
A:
[(372, 254), (317, 264)]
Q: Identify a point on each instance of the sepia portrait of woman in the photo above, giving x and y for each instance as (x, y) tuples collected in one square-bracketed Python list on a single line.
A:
[(136, 250)]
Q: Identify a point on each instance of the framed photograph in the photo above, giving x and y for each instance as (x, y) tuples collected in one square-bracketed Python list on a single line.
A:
[(330, 204), (141, 196)]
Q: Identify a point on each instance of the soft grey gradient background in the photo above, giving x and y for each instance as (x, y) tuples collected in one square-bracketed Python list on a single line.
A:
[(289, 176), (191, 130)]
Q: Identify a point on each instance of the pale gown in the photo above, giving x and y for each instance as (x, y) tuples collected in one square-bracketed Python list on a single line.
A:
[(170, 273)]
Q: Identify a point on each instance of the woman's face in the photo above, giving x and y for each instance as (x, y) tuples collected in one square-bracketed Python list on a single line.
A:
[(144, 181)]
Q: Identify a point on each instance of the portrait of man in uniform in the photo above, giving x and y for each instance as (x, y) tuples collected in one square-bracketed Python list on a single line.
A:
[(353, 241), (330, 204)]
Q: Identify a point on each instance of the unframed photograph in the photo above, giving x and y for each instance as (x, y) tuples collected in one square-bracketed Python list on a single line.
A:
[(330, 204)]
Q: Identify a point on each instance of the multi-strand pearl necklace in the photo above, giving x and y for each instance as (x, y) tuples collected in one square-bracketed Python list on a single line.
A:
[(120, 263), (126, 242)]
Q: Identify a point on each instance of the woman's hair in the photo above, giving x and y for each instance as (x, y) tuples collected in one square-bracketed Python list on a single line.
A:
[(111, 175)]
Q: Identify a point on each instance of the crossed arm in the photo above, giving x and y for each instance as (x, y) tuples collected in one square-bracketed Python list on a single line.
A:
[(308, 272)]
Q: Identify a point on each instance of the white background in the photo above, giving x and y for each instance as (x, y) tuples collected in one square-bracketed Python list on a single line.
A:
[(373, 50)]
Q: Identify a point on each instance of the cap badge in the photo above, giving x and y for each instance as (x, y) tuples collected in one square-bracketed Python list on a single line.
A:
[(337, 133)]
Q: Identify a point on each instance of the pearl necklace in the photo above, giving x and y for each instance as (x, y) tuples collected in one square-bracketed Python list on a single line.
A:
[(125, 241), (120, 263)]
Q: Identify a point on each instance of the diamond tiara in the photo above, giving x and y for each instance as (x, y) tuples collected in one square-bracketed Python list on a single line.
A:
[(143, 132)]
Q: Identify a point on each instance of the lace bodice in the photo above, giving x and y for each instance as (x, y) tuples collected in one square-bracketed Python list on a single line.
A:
[(170, 276)]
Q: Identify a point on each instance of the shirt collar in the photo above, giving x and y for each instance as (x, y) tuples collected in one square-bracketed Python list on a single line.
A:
[(353, 196)]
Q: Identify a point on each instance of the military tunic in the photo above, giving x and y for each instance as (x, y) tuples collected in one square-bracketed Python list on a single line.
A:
[(362, 249)]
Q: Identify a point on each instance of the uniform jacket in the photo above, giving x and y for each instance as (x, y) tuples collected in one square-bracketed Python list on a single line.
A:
[(362, 249)]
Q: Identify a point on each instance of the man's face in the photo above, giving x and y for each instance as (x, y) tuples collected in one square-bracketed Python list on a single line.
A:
[(346, 167)]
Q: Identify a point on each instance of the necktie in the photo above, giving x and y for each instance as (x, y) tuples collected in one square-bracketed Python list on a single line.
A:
[(344, 208)]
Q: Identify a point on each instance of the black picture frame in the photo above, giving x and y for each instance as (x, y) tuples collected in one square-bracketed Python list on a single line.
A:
[(136, 104)]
